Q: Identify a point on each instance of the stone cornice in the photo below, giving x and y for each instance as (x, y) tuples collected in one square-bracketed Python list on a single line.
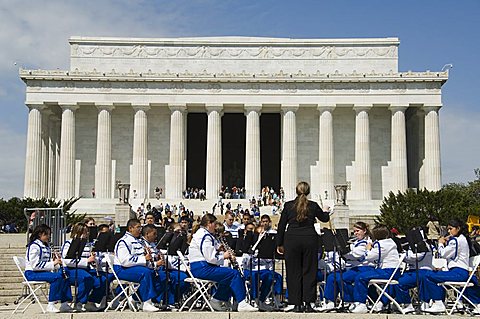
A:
[(205, 76)]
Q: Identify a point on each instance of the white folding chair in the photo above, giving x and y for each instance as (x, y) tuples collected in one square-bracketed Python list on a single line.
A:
[(31, 288), (129, 289), (381, 285), (201, 287), (459, 287)]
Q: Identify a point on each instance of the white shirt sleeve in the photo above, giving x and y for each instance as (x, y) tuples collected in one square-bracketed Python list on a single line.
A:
[(126, 259), (374, 253), (449, 251), (36, 260)]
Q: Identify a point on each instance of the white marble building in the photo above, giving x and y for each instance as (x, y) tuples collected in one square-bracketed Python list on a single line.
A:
[(346, 113)]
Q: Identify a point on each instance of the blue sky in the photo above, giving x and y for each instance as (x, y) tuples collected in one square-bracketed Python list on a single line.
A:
[(34, 34)]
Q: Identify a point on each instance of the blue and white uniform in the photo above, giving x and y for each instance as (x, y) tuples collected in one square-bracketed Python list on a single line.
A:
[(358, 264), (130, 264), (205, 262), (457, 253), (384, 255), (39, 266), (408, 279)]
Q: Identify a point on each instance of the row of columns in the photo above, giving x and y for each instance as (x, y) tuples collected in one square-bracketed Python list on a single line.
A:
[(49, 153)]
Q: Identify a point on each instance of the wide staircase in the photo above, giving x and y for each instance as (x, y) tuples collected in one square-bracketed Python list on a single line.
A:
[(10, 278)]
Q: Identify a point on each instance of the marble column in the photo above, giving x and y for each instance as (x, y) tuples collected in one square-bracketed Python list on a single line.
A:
[(252, 152), (66, 175), (103, 165), (399, 173), (175, 171), (363, 179), (45, 151), (432, 167), (52, 156), (214, 151), (325, 164), (140, 154), (289, 151), (33, 164)]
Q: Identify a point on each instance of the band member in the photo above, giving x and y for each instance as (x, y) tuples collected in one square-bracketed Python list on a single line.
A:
[(131, 264), (261, 270), (358, 264), (454, 248), (205, 261), (412, 277), (82, 272), (301, 247), (39, 266), (383, 252)]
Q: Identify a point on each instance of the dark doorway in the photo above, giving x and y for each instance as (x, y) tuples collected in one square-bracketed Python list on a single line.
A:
[(233, 149), (196, 149), (270, 150)]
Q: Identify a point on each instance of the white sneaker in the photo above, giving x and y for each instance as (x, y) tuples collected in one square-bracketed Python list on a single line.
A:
[(52, 309), (326, 307), (378, 307), (149, 307), (437, 307), (288, 308), (65, 307), (476, 310), (90, 306), (424, 306), (408, 309), (360, 308), (244, 306), (218, 305)]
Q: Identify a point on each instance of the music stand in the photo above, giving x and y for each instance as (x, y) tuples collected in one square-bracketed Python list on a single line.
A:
[(336, 241), (244, 242), (92, 234), (267, 249), (75, 252), (177, 243), (417, 244), (105, 243)]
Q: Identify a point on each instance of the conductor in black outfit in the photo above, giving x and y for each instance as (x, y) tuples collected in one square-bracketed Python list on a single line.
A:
[(300, 245)]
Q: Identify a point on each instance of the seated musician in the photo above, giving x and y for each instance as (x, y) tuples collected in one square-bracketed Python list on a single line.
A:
[(131, 264), (205, 263), (39, 266), (385, 255), (358, 264), (261, 269), (91, 289)]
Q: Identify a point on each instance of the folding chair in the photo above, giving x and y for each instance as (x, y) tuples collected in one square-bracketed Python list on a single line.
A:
[(201, 287), (381, 286), (459, 287), (30, 287), (129, 289)]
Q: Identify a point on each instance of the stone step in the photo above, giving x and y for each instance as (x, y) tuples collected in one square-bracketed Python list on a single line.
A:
[(10, 266), (11, 292), (10, 285), (11, 279), (9, 273)]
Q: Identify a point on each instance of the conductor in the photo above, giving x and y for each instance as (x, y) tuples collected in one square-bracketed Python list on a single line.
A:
[(300, 245)]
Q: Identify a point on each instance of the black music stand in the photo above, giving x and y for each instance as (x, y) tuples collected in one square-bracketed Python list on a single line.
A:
[(92, 234), (267, 249), (244, 245), (417, 244), (105, 243), (336, 241), (177, 243), (75, 252)]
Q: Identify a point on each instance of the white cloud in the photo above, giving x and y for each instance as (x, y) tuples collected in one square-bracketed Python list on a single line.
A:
[(459, 144), (12, 163)]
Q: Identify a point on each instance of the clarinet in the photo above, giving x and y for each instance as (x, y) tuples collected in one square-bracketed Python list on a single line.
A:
[(148, 251), (56, 255), (232, 259)]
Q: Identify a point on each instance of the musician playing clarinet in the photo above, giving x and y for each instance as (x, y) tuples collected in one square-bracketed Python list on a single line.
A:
[(131, 264), (40, 266), (205, 263)]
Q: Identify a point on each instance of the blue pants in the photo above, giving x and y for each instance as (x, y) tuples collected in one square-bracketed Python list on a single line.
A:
[(150, 285), (172, 286), (333, 288), (99, 286), (85, 283), (429, 286), (407, 281), (361, 282), (229, 280), (266, 280), (59, 287)]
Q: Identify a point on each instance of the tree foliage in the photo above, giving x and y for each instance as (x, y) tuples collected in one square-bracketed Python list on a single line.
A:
[(12, 210), (405, 210)]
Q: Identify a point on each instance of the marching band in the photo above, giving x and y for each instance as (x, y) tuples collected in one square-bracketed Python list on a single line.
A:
[(247, 276)]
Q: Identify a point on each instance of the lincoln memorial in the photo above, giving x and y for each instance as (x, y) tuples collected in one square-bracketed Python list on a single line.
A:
[(205, 112)]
